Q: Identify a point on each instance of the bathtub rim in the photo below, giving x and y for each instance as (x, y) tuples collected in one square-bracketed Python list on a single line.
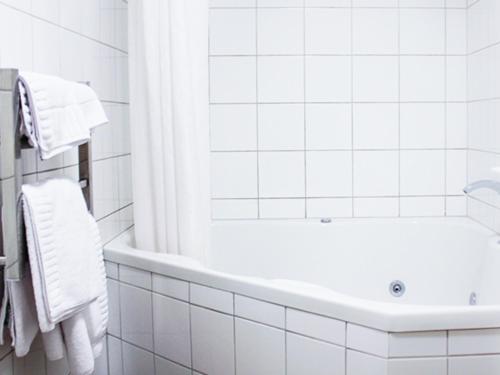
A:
[(383, 316)]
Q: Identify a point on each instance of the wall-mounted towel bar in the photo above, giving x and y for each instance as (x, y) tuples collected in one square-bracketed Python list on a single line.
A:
[(13, 247)]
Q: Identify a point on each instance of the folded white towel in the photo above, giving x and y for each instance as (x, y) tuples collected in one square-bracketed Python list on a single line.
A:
[(57, 114), (65, 265)]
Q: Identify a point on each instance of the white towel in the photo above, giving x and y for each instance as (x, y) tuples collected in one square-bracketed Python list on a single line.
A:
[(65, 266), (57, 114)]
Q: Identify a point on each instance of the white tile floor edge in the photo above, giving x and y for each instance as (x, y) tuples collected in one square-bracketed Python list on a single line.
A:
[(178, 327)]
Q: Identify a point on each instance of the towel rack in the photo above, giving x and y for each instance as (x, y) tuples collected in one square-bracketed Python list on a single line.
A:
[(12, 241)]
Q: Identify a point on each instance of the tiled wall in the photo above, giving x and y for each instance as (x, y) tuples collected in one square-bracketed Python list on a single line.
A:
[(484, 107), (82, 40), (160, 325), (333, 108)]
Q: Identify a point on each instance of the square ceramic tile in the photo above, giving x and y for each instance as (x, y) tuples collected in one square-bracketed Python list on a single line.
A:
[(328, 31), (376, 126), (456, 206), (280, 31), (456, 75), (233, 127), (280, 79), (136, 316), (456, 31), (422, 172), (456, 125), (232, 3), (422, 31), (422, 3), (234, 174), (376, 79), (135, 276), (232, 80), (422, 78), (259, 349), (422, 125), (282, 208), (281, 126), (376, 173), (137, 361), (212, 298), (328, 126), (308, 356), (260, 311), (279, 3), (375, 3), (329, 173), (375, 31), (232, 32), (281, 174), (212, 341), (171, 287), (328, 79), (316, 326), (172, 335), (328, 3), (329, 207)]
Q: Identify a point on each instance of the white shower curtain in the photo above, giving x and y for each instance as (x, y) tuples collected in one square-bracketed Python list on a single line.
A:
[(168, 51)]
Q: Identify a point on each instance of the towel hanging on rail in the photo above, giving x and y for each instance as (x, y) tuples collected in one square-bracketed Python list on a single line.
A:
[(56, 114)]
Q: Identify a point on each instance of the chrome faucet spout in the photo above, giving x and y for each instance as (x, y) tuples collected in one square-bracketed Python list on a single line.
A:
[(483, 184)]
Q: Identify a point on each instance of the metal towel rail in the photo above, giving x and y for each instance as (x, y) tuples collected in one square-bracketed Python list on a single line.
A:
[(12, 241)]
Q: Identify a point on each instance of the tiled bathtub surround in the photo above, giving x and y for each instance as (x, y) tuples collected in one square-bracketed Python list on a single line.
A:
[(161, 325), (483, 107), (337, 108), (81, 40)]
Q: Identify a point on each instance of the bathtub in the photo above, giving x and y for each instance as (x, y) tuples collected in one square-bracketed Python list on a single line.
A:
[(356, 297)]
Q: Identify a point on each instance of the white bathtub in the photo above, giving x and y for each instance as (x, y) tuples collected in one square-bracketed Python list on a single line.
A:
[(342, 271)]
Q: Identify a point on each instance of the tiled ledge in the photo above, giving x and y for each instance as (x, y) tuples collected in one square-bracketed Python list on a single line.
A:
[(195, 329)]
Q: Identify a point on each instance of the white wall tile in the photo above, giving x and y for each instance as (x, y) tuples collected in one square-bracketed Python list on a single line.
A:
[(234, 175), (172, 335), (422, 78), (232, 32), (328, 79), (232, 3), (329, 173), (212, 298), (232, 80), (137, 361), (259, 349), (376, 126), (260, 311), (456, 31), (281, 127), (281, 174), (422, 206), (328, 126), (212, 342), (376, 173), (280, 79), (171, 287), (456, 75), (115, 357), (481, 365), (233, 127), (418, 344), (164, 366), (422, 31), (308, 356), (367, 340), (376, 207), (235, 209), (422, 172), (365, 364), (316, 326), (456, 171), (422, 125), (136, 316), (328, 31), (135, 276), (282, 208), (280, 31), (114, 323), (434, 366), (329, 207), (481, 341), (376, 79)]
